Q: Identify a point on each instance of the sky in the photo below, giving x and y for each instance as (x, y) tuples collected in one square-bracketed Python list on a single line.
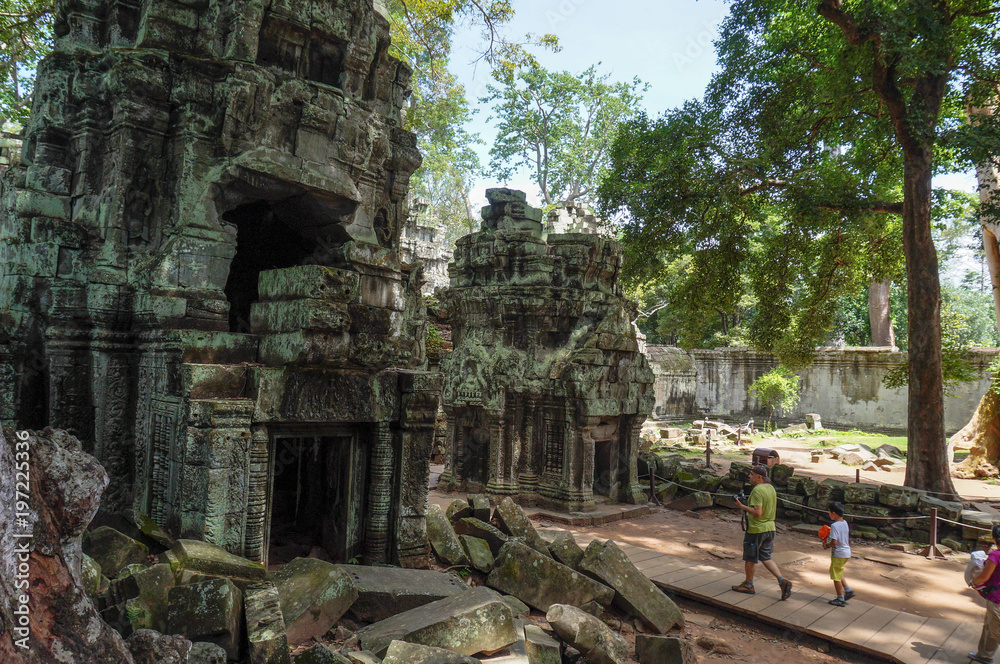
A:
[(666, 43)]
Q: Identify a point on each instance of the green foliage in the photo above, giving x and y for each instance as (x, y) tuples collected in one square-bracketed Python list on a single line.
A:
[(434, 337), (25, 38), (558, 126), (778, 388), (422, 32)]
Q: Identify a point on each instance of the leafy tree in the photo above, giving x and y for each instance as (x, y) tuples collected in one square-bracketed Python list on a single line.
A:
[(839, 115), (25, 38), (778, 388), (557, 125)]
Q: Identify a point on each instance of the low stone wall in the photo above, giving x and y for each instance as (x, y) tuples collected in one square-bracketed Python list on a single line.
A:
[(843, 385), (875, 511)]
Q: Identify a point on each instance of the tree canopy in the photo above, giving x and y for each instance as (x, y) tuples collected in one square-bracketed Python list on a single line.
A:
[(558, 126), (25, 38), (812, 154)]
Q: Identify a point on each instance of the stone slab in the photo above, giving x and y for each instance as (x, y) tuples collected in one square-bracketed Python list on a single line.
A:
[(540, 581), (475, 621), (314, 594), (386, 591)]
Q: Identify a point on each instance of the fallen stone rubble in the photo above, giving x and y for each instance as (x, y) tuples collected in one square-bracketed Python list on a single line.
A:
[(189, 602)]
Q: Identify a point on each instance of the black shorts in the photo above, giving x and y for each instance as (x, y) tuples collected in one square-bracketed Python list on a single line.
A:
[(758, 547)]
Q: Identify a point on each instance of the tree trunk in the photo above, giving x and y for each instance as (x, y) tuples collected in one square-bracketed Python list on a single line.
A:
[(981, 436), (878, 314), (927, 457)]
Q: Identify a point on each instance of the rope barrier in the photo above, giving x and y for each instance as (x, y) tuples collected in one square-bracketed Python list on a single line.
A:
[(966, 525)]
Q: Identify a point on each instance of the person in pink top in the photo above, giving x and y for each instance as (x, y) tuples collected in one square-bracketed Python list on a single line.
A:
[(988, 585)]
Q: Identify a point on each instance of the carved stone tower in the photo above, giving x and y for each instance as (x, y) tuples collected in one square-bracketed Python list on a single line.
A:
[(200, 273), (546, 389)]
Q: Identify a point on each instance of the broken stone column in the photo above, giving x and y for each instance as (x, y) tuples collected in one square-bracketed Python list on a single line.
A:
[(589, 635), (41, 556)]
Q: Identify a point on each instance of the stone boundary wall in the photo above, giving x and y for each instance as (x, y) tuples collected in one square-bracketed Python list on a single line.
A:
[(843, 385)]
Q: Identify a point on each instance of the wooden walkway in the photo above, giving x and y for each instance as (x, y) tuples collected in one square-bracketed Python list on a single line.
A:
[(876, 631)]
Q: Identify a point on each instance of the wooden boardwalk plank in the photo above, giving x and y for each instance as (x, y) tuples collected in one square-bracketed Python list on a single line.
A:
[(637, 555), (898, 631), (922, 645), (659, 561), (673, 577), (955, 650), (835, 621), (720, 590), (664, 568), (863, 627), (692, 583), (796, 602), (811, 612)]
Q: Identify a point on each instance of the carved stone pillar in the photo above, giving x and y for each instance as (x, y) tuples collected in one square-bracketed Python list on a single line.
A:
[(379, 496), (258, 524), (529, 478), (71, 404)]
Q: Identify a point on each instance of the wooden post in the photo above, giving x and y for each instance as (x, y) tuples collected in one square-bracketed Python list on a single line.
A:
[(932, 551), (857, 476), (652, 487), (708, 449)]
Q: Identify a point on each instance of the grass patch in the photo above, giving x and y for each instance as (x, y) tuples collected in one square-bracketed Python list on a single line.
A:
[(825, 438)]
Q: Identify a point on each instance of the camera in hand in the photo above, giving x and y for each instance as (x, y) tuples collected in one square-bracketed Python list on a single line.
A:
[(742, 497)]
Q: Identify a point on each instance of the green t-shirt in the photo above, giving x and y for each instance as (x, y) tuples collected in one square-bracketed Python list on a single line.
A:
[(763, 495)]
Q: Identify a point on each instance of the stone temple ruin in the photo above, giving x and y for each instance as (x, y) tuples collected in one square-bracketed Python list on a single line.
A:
[(200, 275), (422, 240), (546, 390)]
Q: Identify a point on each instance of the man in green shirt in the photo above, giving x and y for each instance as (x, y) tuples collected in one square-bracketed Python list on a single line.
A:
[(758, 541)]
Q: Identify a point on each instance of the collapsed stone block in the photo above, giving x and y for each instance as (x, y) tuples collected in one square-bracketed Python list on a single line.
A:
[(899, 496), (313, 595), (458, 509), (400, 652), (385, 591), (204, 652), (634, 593), (655, 649), (151, 647), (693, 501), (861, 494), (442, 537), (194, 559), (590, 636), (321, 654), (484, 531), (946, 508), (113, 550), (541, 648), (564, 548), (140, 601), (511, 519), (475, 621), (480, 505), (208, 611), (539, 581), (480, 556), (265, 625)]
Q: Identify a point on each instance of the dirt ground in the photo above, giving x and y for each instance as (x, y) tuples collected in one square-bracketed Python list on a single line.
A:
[(879, 575)]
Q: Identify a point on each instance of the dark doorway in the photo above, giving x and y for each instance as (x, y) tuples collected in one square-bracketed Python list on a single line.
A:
[(604, 470), (318, 499), (264, 241), (474, 450)]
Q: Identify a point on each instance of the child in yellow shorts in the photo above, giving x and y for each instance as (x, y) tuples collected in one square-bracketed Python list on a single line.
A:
[(839, 541)]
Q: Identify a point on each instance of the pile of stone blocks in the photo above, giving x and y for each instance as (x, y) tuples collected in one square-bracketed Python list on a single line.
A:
[(551, 575)]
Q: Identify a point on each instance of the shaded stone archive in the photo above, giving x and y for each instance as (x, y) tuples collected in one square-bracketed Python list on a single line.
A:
[(200, 276), (546, 390)]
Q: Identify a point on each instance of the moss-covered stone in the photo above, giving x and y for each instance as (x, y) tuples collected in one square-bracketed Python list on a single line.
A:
[(208, 611), (540, 581), (860, 493), (442, 537), (313, 595), (113, 550), (478, 550)]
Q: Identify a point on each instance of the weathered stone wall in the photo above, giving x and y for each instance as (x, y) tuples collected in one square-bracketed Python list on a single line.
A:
[(422, 241), (843, 385), (546, 388), (199, 257)]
